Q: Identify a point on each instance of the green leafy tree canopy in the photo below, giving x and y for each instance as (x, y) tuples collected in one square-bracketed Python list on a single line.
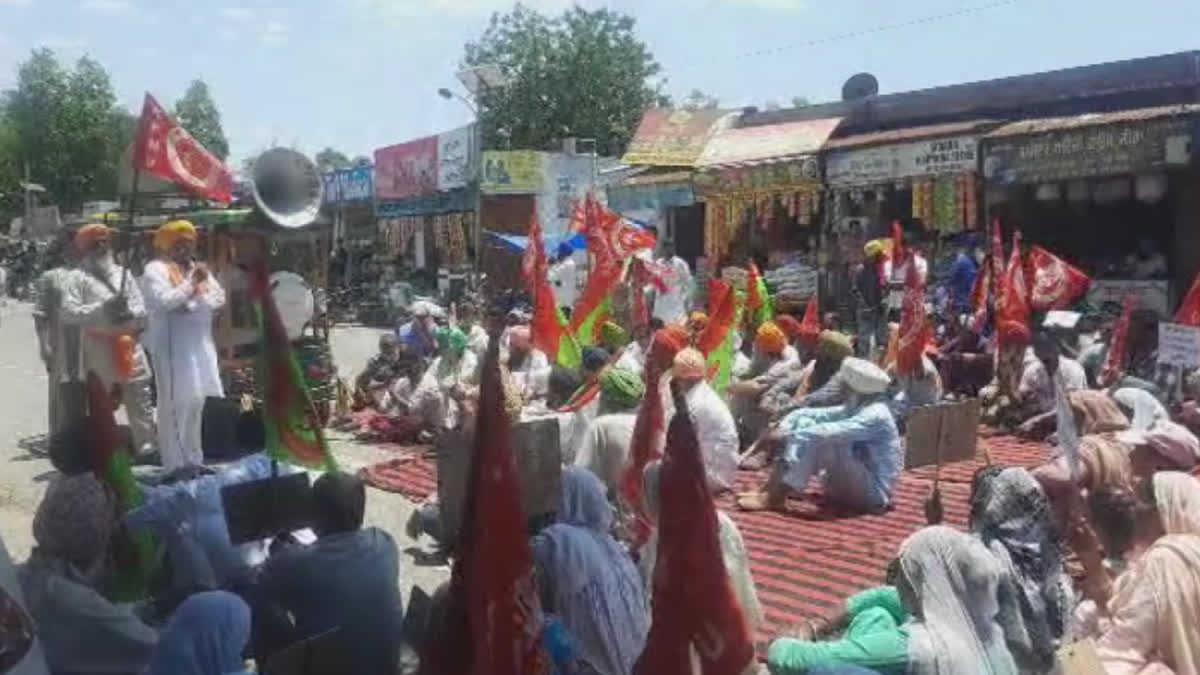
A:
[(197, 112), (331, 160), (583, 73)]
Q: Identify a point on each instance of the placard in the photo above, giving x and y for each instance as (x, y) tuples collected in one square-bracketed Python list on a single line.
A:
[(1178, 345), (348, 185), (888, 163), (945, 432), (512, 172), (539, 471)]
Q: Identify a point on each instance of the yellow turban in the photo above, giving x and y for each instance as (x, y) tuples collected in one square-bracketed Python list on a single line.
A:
[(874, 248), (173, 232), (770, 338), (689, 364), (88, 235)]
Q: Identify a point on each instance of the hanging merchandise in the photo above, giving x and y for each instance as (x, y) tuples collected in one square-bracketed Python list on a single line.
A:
[(970, 186), (945, 213)]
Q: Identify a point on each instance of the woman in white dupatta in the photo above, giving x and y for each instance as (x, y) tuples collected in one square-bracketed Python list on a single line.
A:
[(1155, 604), (949, 583)]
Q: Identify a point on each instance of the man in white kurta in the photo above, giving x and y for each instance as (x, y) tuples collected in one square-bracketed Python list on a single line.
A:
[(672, 306), (181, 297), (102, 298)]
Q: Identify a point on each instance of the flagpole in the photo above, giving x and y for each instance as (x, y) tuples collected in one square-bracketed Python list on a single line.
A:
[(137, 176)]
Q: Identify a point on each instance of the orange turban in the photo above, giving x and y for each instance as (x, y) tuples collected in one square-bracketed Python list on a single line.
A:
[(173, 232), (690, 364), (770, 339), (88, 235)]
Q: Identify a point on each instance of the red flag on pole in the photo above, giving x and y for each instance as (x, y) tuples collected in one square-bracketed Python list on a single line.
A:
[(494, 609), (1012, 308), (1189, 310), (164, 148), (915, 329), (897, 245), (1118, 346), (1054, 284), (546, 329), (810, 325), (693, 604), (980, 291)]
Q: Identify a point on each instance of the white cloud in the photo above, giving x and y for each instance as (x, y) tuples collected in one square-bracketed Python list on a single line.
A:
[(400, 9), (15, 3), (106, 5), (238, 14), (274, 33)]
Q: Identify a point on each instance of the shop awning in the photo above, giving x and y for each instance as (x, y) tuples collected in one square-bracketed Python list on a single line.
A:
[(462, 199), (771, 143), (1049, 124), (668, 137), (908, 134)]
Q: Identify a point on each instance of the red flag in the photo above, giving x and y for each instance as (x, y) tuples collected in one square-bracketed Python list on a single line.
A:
[(722, 314), (646, 428), (810, 325), (997, 257), (897, 245), (164, 148), (1118, 346), (915, 329), (1055, 284), (493, 596), (600, 230), (693, 604), (1012, 308), (1189, 310), (545, 329), (980, 291)]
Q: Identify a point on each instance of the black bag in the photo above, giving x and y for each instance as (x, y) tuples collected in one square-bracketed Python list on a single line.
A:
[(218, 429), (72, 401)]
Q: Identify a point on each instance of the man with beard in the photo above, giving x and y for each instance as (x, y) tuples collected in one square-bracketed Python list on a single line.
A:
[(181, 297), (103, 299)]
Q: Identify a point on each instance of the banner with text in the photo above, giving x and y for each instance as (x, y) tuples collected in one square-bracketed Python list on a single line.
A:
[(1178, 345), (513, 172), (888, 163), (454, 158), (348, 185), (407, 169)]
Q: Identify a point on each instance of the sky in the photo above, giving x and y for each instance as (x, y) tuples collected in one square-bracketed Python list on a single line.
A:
[(361, 74)]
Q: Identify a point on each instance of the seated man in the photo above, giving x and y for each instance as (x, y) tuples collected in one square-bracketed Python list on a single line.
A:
[(80, 630), (716, 430), (1036, 391), (529, 367), (605, 448), (857, 445), (767, 368), (371, 387), (346, 581), (443, 398)]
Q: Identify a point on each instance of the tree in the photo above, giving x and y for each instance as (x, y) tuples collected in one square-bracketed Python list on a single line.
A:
[(698, 100), (582, 73), (197, 112), (67, 126), (331, 160), (800, 102), (362, 160)]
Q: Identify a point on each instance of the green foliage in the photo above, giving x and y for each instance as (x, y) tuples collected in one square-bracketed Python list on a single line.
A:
[(66, 124), (583, 73), (331, 160), (698, 100), (197, 112)]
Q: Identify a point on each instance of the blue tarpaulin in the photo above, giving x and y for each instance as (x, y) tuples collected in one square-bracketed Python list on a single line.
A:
[(518, 242)]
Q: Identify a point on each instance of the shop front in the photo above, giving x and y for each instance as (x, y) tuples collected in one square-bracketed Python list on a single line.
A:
[(1107, 192), (762, 193)]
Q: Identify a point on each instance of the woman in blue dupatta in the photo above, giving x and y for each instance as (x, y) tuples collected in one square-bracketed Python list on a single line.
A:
[(588, 581)]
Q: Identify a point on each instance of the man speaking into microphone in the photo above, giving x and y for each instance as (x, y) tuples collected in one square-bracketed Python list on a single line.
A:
[(181, 297)]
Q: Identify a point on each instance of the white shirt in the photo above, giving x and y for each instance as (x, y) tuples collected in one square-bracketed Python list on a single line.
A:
[(717, 434), (1037, 388), (532, 375), (672, 306), (83, 305), (565, 278)]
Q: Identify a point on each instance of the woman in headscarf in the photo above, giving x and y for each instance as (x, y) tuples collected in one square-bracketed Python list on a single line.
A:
[(587, 580), (1096, 412), (1141, 407), (205, 636), (605, 447), (80, 630), (441, 398), (733, 551), (1154, 605), (1011, 516), (950, 583)]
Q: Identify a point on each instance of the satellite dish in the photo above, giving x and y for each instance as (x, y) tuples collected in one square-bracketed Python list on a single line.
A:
[(860, 86)]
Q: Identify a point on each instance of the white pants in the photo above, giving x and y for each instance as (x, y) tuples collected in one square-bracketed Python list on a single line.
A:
[(179, 431)]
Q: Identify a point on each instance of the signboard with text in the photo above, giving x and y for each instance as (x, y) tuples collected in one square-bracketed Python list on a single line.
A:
[(888, 163), (668, 137), (454, 159), (512, 172), (348, 185), (1107, 150), (1178, 345), (1147, 294)]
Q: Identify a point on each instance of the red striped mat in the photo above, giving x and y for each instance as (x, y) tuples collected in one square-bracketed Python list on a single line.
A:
[(805, 563)]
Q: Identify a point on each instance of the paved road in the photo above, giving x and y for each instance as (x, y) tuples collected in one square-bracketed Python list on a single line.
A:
[(23, 474)]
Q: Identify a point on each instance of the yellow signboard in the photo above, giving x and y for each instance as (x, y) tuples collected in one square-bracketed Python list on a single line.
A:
[(512, 172)]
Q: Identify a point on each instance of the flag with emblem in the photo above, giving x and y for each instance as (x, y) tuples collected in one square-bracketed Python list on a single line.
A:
[(163, 148)]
